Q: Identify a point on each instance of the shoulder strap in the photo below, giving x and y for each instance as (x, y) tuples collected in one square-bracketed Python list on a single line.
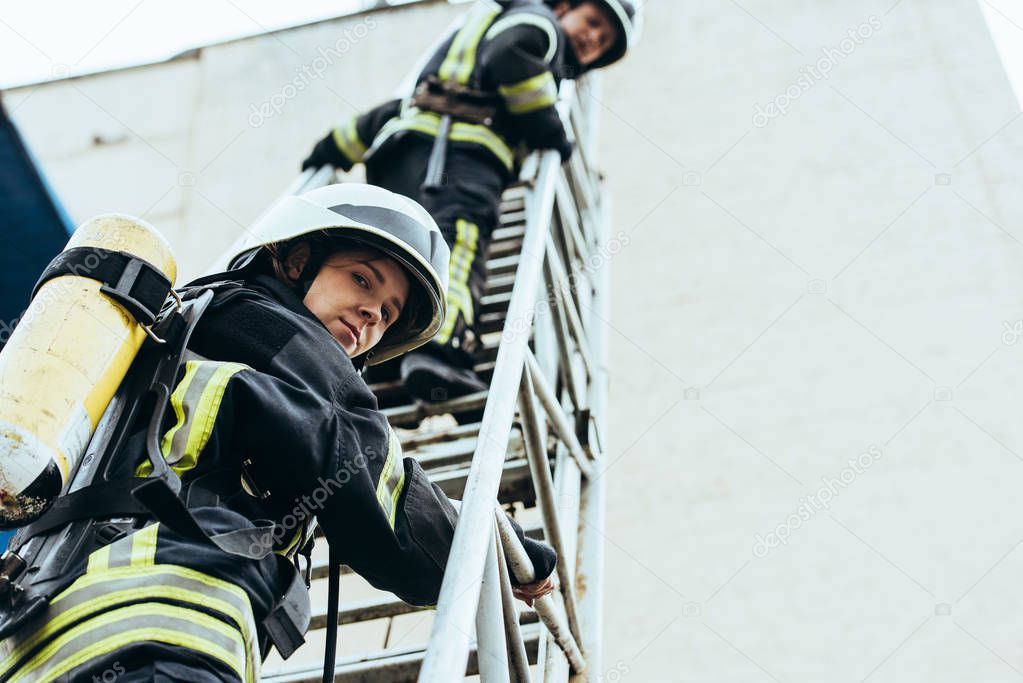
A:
[(130, 281), (460, 62)]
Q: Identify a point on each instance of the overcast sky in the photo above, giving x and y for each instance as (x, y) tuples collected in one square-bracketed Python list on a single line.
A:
[(47, 38)]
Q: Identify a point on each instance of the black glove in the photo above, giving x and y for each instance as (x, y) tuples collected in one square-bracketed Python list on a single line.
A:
[(543, 556), (565, 149), (326, 153)]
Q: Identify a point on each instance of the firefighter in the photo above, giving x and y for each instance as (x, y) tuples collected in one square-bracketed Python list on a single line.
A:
[(269, 420), (484, 99)]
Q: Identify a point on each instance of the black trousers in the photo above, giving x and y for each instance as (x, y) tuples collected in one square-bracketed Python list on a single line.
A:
[(466, 208)]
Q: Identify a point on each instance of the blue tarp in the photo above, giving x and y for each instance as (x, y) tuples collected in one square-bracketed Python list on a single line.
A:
[(33, 226)]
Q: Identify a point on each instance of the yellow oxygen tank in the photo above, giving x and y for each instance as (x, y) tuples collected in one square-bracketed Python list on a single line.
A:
[(64, 361)]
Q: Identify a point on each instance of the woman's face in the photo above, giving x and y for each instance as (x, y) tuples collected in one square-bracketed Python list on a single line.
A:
[(356, 295), (589, 28)]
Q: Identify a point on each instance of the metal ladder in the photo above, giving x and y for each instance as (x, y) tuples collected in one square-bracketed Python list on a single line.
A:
[(543, 350)]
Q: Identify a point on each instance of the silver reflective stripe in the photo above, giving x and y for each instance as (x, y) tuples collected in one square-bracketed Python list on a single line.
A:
[(531, 94), (110, 631), (392, 479), (461, 58), (95, 593), (158, 583), (190, 404), (120, 552)]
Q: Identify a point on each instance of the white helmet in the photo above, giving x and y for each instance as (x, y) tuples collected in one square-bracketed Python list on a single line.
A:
[(392, 223)]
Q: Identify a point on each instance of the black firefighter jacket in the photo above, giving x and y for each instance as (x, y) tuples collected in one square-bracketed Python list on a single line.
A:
[(269, 421), (289, 408)]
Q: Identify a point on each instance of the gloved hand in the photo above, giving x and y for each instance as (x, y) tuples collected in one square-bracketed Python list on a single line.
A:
[(326, 153), (544, 559), (565, 149)]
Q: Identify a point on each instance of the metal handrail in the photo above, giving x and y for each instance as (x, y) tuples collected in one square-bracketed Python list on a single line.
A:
[(448, 646), (518, 373)]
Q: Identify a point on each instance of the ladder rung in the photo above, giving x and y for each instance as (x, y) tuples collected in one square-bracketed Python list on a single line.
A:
[(505, 248), (409, 412), (495, 303), (499, 284), (413, 440), (320, 568), (367, 610), (500, 266), (516, 485), (390, 666)]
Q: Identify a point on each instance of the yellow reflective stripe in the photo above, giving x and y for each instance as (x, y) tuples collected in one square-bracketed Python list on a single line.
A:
[(95, 593), (465, 70), (143, 546), (385, 472), (397, 494), (98, 560), (196, 401), (428, 123), (302, 536), (461, 57), (96, 606), (459, 297), (538, 92), (177, 403), (171, 624), (347, 139), (482, 135), (138, 548), (393, 471), (287, 550), (206, 415)]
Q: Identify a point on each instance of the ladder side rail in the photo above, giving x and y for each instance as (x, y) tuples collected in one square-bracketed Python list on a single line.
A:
[(448, 647), (491, 643), (519, 660), (543, 483), (567, 483), (593, 494), (551, 613)]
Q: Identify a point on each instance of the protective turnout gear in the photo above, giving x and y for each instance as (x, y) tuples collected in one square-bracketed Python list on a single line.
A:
[(182, 549), (69, 353), (515, 52), (466, 208)]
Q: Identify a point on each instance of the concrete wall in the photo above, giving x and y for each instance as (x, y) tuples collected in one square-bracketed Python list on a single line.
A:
[(798, 291), (794, 295), (184, 142)]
